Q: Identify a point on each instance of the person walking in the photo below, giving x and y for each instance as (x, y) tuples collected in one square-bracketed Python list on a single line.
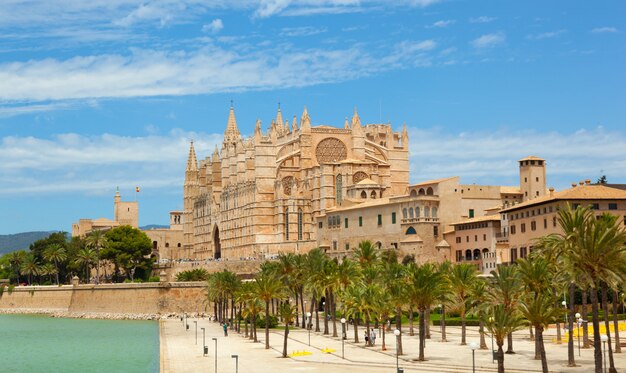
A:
[(373, 337), (225, 326)]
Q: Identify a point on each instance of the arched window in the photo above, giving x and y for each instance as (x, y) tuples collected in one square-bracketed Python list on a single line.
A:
[(411, 212), (178, 245), (417, 211), (154, 245), (476, 254), (468, 254), (429, 191), (421, 192), (299, 224), (373, 194), (413, 193), (433, 212), (286, 225), (363, 195), (426, 211), (411, 230), (404, 213), (338, 188)]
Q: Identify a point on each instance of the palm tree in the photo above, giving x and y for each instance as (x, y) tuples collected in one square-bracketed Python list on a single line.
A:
[(445, 298), (48, 269), (462, 278), (479, 304), (16, 259), (287, 313), (501, 323), (268, 287), (400, 293), (366, 254), (85, 257), (96, 239), (55, 253), (505, 289), (30, 267), (425, 283)]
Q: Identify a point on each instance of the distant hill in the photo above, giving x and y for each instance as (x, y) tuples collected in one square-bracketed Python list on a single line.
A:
[(153, 226), (19, 241)]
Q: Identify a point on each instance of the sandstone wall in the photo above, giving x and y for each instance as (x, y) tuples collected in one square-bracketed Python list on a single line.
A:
[(148, 298)]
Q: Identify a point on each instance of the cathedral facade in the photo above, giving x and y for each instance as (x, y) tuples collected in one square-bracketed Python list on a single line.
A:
[(258, 196)]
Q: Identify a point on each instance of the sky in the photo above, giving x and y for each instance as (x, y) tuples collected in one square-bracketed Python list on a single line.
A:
[(101, 94)]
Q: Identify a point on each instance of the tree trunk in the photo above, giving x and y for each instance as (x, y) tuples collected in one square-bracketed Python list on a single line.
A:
[(356, 330), (297, 316), (303, 309), (285, 340), (558, 333), (317, 316), (481, 330), (267, 324), (618, 347), (326, 312), (509, 344), (399, 327), (463, 342), (422, 332), (542, 349), (333, 311), (584, 317), (571, 360), (607, 327), (368, 339), (597, 347), (384, 347), (254, 338), (443, 327), (411, 331), (500, 357), (246, 328), (532, 334), (537, 347)]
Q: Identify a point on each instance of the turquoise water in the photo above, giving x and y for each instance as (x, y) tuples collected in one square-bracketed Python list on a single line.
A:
[(44, 344)]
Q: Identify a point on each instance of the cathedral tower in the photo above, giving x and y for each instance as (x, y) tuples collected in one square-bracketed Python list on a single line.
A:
[(532, 177)]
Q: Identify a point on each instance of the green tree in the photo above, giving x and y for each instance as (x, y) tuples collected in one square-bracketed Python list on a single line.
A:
[(129, 249), (462, 278), (30, 267), (501, 323), (505, 289), (85, 258), (16, 259), (55, 253), (97, 240), (268, 287), (197, 274), (48, 269), (287, 313)]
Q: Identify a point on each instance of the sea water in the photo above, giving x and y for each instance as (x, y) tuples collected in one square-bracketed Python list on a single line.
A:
[(43, 344)]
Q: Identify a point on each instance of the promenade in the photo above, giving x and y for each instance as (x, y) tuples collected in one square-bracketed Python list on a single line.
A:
[(181, 354)]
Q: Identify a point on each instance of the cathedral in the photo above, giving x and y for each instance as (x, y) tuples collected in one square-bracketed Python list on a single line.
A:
[(258, 196)]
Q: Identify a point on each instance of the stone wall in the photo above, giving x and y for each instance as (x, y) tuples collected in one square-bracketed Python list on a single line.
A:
[(147, 298)]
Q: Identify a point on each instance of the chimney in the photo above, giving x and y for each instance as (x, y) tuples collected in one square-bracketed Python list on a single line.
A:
[(573, 185), (582, 182), (587, 182), (551, 191)]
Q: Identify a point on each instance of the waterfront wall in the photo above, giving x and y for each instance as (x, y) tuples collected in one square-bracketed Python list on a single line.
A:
[(146, 298)]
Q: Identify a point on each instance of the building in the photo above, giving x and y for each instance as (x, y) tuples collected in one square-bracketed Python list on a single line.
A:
[(259, 196)]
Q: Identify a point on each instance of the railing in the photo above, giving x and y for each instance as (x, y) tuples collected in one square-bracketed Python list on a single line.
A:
[(419, 220), (502, 236)]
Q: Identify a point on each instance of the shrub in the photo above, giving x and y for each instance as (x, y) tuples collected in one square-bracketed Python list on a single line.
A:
[(1, 290), (457, 322), (198, 274), (260, 322), (10, 289), (154, 279)]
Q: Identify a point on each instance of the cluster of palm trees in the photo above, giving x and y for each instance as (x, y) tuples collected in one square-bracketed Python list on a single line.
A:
[(372, 288)]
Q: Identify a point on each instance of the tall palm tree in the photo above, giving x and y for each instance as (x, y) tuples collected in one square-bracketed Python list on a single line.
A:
[(287, 313), (462, 278), (425, 282), (501, 323), (365, 254), (30, 267), (505, 289), (48, 269), (479, 304), (85, 257), (97, 240), (268, 287), (55, 253), (16, 259)]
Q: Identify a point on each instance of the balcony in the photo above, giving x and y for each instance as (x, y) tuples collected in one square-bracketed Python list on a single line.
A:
[(419, 220), (502, 237)]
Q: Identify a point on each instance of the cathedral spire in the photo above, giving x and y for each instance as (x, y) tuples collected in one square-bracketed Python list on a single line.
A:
[(279, 122), (305, 120), (356, 120), (216, 154), (232, 132), (192, 162), (294, 124), (346, 125)]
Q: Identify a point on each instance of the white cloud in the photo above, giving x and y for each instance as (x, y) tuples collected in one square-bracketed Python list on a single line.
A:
[(604, 30), (489, 40), (482, 19), (215, 26), (547, 35), (442, 23), (209, 69), (302, 31)]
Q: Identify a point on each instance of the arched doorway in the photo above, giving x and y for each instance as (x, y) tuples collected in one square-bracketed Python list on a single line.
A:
[(217, 247)]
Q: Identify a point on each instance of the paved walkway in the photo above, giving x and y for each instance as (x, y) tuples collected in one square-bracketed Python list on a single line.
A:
[(180, 353)]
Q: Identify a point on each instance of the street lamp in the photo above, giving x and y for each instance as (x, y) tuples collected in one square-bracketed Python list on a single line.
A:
[(604, 338), (397, 334), (196, 322), (308, 325), (215, 339), (579, 322), (473, 346), (343, 335), (205, 349), (564, 303), (236, 357)]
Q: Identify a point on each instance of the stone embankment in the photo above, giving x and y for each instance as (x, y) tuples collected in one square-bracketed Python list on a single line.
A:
[(90, 315)]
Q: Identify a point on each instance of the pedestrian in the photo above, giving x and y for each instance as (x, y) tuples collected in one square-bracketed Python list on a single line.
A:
[(225, 326), (373, 337), (366, 337)]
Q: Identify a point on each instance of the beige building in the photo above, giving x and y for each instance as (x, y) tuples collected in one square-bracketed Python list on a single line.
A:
[(259, 196)]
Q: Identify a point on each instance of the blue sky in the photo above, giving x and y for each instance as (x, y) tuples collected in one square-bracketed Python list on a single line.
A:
[(104, 93)]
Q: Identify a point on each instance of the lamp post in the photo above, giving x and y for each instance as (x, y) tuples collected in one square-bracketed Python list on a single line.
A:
[(196, 322), (564, 303), (397, 334), (236, 357), (204, 347), (473, 346), (308, 325), (215, 339), (604, 338), (579, 322), (343, 335)]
